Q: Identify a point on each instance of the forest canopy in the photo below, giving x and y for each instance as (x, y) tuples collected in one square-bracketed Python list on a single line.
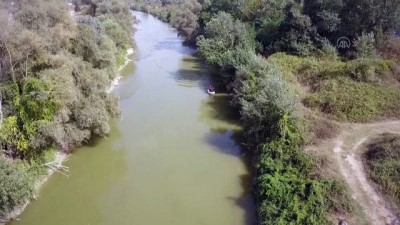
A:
[(53, 86), (56, 65)]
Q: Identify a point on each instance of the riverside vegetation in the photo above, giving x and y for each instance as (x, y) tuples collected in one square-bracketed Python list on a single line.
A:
[(278, 60), (55, 69), (382, 158)]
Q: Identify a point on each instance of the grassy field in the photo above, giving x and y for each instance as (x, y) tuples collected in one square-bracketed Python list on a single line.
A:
[(359, 90)]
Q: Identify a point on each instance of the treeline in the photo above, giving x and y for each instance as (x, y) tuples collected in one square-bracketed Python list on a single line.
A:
[(181, 14), (55, 72), (304, 68), (293, 26)]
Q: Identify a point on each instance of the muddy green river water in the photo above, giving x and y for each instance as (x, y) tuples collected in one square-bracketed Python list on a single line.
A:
[(172, 158)]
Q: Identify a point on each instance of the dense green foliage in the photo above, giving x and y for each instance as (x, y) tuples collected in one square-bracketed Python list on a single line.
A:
[(18, 178), (288, 189), (294, 26), (54, 86), (227, 42), (306, 24), (15, 186), (383, 162), (264, 98), (55, 70)]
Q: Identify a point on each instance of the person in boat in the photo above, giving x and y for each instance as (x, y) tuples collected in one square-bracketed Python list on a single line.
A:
[(211, 89)]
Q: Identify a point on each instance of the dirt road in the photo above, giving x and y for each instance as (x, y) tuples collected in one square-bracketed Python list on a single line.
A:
[(346, 151)]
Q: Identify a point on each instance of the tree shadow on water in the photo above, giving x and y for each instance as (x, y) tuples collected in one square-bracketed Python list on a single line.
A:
[(218, 107), (245, 200), (223, 121), (195, 72), (226, 137), (174, 44), (191, 78), (224, 142)]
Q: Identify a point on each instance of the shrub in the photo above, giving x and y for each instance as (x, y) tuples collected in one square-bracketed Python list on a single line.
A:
[(389, 47), (329, 50), (286, 191), (15, 187), (365, 45), (225, 40), (264, 98), (115, 31), (35, 107), (12, 138)]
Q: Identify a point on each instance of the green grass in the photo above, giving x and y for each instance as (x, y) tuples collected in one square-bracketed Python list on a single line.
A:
[(348, 100), (383, 162), (355, 91)]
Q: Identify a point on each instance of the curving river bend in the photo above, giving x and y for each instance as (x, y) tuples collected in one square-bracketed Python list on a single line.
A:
[(170, 160)]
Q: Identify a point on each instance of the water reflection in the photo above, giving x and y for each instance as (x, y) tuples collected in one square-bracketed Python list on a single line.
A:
[(173, 44), (245, 201), (192, 73)]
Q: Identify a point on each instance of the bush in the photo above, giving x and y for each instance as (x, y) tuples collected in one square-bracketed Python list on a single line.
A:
[(35, 107), (15, 187), (329, 50), (225, 41), (389, 47), (264, 98), (12, 138), (115, 31), (365, 45), (286, 190)]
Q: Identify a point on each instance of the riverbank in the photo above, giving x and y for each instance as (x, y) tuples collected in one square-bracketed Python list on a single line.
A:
[(116, 80), (53, 166), (60, 157)]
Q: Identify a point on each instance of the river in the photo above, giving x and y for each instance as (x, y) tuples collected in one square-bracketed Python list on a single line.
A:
[(172, 158)]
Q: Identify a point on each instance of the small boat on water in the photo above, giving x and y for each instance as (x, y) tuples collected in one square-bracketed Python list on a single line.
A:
[(210, 92)]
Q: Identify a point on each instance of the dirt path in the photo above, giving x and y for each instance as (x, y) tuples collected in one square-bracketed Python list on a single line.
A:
[(346, 149)]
